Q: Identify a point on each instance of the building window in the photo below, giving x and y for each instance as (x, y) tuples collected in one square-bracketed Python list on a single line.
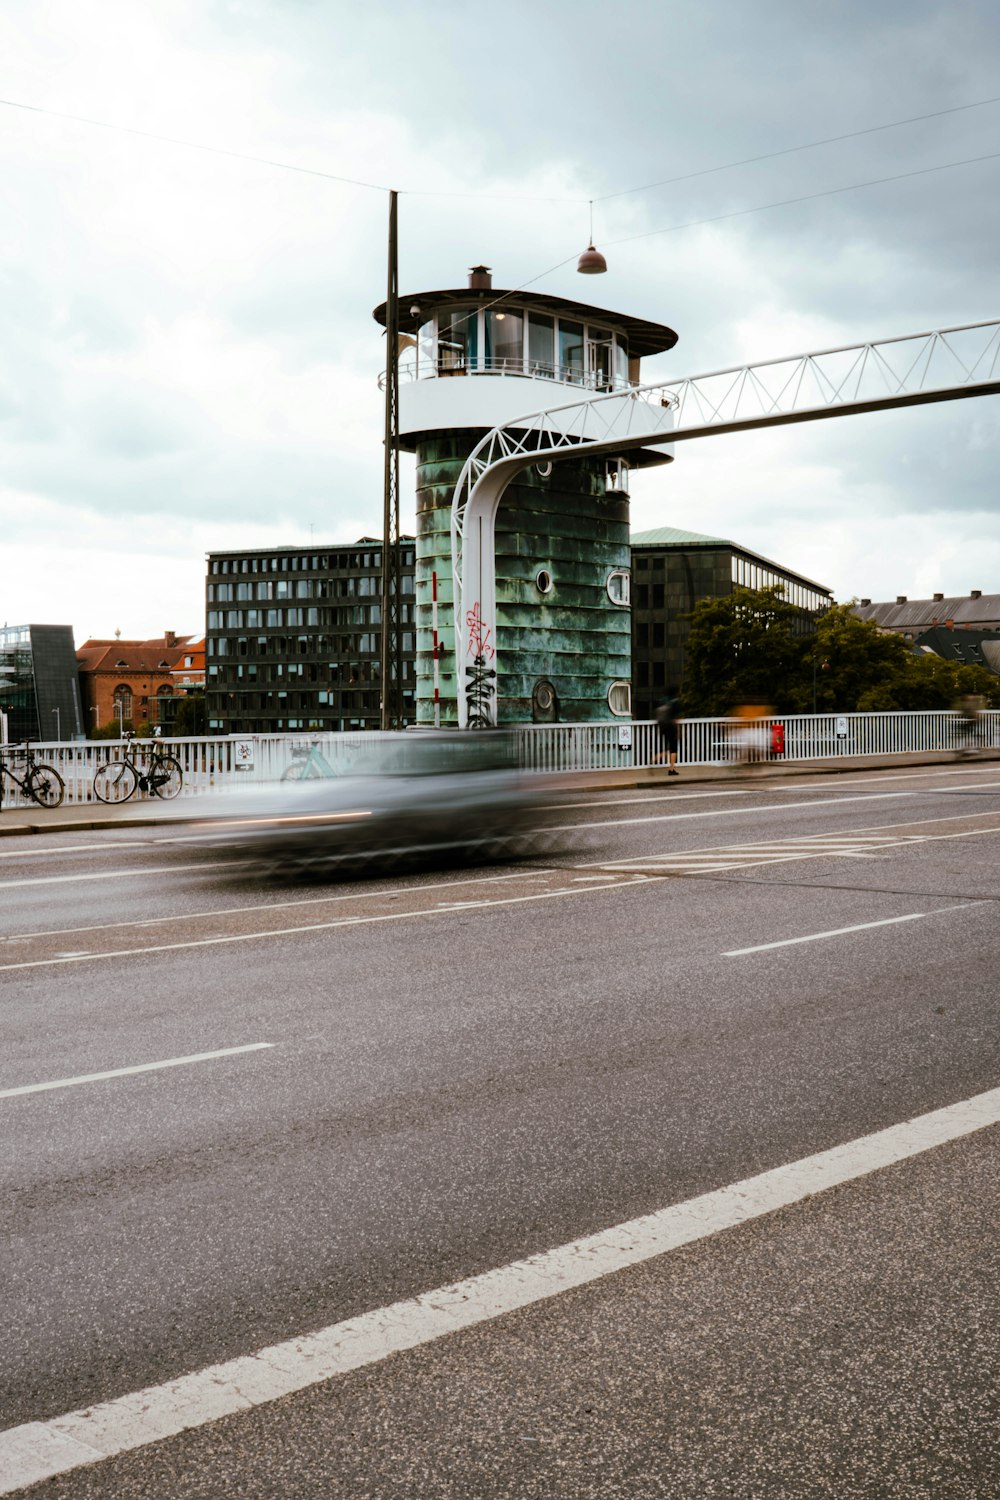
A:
[(541, 346), (571, 352), (619, 586), (620, 699), (504, 340)]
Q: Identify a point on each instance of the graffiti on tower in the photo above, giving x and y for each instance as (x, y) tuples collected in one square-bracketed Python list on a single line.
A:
[(480, 676)]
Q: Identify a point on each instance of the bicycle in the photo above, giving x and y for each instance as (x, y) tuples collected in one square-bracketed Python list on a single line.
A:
[(41, 783), (159, 774), (307, 765)]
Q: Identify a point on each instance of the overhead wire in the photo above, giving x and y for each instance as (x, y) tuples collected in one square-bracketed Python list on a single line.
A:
[(285, 166), (758, 208), (607, 197), (828, 140)]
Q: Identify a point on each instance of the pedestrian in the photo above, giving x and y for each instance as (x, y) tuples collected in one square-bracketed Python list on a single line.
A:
[(668, 715), (749, 735), (969, 710)]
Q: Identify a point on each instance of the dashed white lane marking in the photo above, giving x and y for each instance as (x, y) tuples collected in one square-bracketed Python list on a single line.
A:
[(814, 937), (171, 1062), (39, 1450)]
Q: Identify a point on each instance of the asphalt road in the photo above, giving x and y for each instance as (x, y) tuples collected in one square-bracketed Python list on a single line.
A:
[(465, 1068)]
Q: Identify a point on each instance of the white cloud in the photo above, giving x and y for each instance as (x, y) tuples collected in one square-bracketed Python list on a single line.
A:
[(189, 360)]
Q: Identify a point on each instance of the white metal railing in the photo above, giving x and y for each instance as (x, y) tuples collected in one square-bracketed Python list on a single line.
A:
[(535, 369), (801, 737), (213, 763)]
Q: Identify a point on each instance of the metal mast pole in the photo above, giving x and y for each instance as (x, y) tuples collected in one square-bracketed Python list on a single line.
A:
[(392, 664)]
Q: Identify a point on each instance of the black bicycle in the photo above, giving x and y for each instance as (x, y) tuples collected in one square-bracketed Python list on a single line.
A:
[(145, 768), (41, 783)]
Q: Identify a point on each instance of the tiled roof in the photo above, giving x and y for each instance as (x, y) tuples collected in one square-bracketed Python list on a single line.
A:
[(136, 656), (922, 614)]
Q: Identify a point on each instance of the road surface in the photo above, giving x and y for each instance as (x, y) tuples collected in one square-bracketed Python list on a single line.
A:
[(237, 1115)]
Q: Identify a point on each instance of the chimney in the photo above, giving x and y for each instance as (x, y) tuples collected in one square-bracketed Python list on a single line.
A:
[(866, 601), (900, 598), (975, 594), (480, 279), (938, 598), (169, 638)]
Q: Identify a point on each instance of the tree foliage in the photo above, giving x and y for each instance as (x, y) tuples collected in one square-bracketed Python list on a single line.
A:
[(748, 648), (742, 649), (190, 716)]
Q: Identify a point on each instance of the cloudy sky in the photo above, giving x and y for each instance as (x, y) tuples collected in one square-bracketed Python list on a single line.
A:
[(188, 360)]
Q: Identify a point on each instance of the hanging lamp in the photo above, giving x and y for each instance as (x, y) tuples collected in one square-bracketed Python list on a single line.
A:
[(591, 262)]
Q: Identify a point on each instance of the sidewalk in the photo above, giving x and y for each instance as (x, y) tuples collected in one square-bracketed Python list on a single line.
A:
[(20, 821)]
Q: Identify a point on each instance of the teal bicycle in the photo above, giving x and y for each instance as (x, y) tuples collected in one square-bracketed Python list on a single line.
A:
[(307, 765)]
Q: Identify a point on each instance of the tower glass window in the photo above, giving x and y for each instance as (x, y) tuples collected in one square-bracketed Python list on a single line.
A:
[(504, 335), (458, 339), (571, 351), (541, 345)]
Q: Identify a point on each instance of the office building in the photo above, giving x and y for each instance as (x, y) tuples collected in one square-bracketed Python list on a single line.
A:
[(39, 691), (293, 637), (672, 571)]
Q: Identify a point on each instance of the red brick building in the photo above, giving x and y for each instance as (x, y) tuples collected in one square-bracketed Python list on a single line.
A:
[(136, 682)]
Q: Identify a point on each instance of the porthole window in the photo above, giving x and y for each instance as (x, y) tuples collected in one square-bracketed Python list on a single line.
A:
[(619, 586), (620, 699), (543, 581), (544, 468)]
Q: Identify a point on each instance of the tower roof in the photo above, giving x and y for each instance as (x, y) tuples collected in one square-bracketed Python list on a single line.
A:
[(644, 338)]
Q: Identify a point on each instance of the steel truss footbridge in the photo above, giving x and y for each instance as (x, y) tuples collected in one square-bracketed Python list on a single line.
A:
[(946, 364)]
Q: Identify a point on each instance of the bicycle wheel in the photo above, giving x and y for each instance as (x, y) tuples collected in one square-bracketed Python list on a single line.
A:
[(298, 770), (165, 776), (45, 785), (115, 781)]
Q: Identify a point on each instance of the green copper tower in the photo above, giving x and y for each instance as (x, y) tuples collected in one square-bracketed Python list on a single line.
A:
[(541, 631)]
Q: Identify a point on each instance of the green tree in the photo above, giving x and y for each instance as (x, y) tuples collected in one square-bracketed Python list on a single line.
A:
[(743, 648), (847, 664), (190, 716), (750, 648)]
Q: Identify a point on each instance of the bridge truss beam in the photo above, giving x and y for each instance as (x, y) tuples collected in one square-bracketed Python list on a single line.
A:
[(945, 364)]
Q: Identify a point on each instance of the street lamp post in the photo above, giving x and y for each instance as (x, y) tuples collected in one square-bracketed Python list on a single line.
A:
[(58, 725), (120, 707)]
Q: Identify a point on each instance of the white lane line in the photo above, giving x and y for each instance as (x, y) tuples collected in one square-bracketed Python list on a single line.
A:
[(40, 1450), (171, 1062), (814, 937), (12, 885), (726, 812), (104, 848), (248, 937), (231, 911)]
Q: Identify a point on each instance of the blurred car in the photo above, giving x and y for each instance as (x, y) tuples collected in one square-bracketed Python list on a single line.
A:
[(422, 796)]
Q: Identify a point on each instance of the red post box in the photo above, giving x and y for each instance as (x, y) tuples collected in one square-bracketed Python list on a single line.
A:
[(777, 739)]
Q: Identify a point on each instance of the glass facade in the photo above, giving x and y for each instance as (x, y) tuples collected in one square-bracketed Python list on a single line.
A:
[(305, 655), (509, 340), (39, 685)]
